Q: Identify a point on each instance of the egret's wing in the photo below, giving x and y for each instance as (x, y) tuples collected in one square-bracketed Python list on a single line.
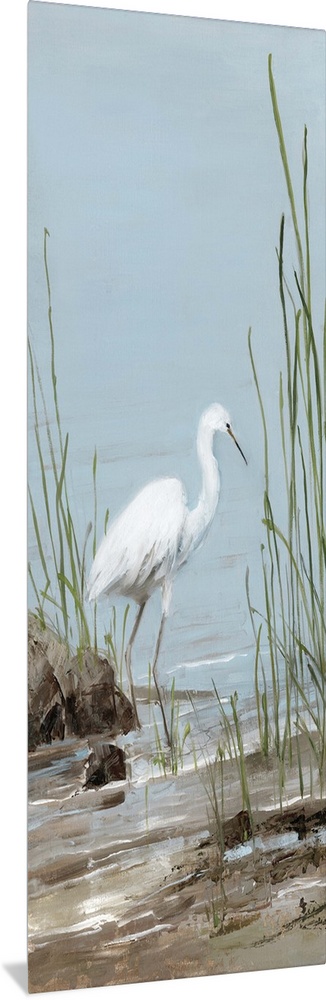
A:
[(141, 545)]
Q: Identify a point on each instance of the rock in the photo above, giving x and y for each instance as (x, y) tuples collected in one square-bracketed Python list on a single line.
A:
[(125, 713), (53, 725), (90, 695), (44, 691), (106, 763), (75, 696), (237, 830)]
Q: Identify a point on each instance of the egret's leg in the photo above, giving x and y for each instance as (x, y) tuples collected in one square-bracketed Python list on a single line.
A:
[(128, 661), (154, 666)]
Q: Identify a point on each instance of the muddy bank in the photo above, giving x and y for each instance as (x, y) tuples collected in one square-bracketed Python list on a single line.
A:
[(128, 883), (268, 909)]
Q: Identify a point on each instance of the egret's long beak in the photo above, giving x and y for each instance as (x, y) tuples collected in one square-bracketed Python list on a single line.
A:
[(230, 432)]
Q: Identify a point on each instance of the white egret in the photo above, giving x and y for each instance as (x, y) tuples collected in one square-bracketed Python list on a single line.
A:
[(154, 535)]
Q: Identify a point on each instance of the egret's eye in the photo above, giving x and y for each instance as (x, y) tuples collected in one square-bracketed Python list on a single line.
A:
[(228, 427)]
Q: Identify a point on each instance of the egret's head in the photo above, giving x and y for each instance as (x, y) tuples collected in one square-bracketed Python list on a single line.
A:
[(217, 418)]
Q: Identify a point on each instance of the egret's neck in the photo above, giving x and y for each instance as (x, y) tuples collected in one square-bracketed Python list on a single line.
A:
[(201, 517)]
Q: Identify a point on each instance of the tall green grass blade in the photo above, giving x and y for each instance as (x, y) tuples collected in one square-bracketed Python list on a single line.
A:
[(123, 640), (282, 423), (263, 730), (241, 757), (41, 459), (83, 561), (262, 411), (40, 604), (285, 322), (53, 369), (279, 129), (306, 216), (38, 538), (273, 527), (79, 609)]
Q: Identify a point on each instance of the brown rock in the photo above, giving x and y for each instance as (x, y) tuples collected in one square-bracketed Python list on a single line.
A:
[(75, 696), (106, 763)]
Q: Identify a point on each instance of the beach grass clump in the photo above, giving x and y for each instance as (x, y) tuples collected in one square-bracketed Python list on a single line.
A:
[(293, 554), (212, 780), (171, 758), (116, 646), (233, 746), (60, 597), (230, 754)]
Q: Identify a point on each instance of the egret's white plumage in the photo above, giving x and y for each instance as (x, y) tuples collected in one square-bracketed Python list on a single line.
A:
[(148, 542), (142, 545)]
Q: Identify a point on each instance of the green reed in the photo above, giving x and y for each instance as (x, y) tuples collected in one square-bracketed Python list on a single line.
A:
[(293, 556)]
